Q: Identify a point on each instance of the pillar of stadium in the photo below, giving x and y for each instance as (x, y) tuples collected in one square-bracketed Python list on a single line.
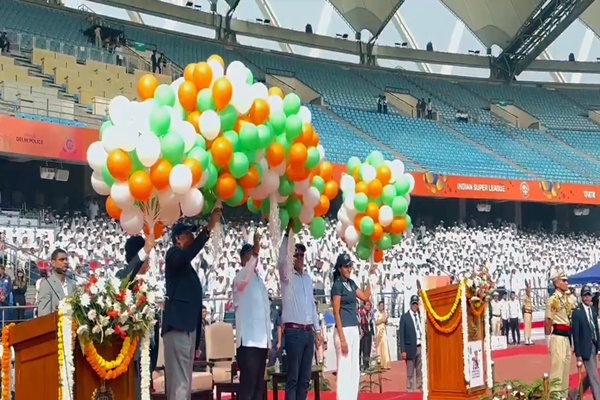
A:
[(267, 12)]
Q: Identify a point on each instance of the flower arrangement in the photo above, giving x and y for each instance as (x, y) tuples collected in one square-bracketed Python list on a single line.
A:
[(480, 285)]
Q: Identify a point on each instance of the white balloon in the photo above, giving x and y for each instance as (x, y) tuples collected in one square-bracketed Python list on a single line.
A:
[(119, 110), (132, 220), (368, 172), (236, 72), (148, 149), (339, 228), (351, 236), (258, 193), (343, 216), (386, 215), (411, 181), (397, 168), (121, 195), (347, 184), (407, 198), (275, 104), (99, 185), (280, 169), (192, 202), (307, 214), (188, 134), (170, 215), (210, 124), (305, 115), (127, 139), (321, 150), (349, 201), (110, 138), (175, 85), (260, 91), (96, 156), (180, 179), (312, 197), (167, 198), (270, 182), (242, 97), (282, 199), (217, 70), (351, 213), (202, 181), (301, 187)]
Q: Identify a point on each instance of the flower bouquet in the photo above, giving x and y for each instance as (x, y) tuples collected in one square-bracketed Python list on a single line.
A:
[(480, 286)]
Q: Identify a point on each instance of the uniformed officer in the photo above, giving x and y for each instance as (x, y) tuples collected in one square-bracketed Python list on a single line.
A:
[(558, 330), (496, 315), (527, 313)]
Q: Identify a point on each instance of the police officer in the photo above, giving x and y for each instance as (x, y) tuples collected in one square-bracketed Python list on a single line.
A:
[(558, 329), (527, 313)]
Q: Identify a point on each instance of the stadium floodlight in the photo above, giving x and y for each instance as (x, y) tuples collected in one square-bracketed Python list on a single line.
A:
[(476, 52), (189, 4), (342, 35), (403, 44)]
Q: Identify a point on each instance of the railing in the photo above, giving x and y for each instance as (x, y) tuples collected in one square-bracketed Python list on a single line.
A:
[(25, 260), (24, 109), (16, 314)]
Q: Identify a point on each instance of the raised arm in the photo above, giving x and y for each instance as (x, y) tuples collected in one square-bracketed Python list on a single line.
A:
[(364, 294), (282, 258), (133, 267), (243, 277)]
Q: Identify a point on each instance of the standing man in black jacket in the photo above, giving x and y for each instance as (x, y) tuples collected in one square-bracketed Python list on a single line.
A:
[(410, 344), (584, 325), (182, 315)]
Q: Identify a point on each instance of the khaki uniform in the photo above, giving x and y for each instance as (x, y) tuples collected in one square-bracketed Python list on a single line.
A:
[(527, 316), (496, 318), (558, 309)]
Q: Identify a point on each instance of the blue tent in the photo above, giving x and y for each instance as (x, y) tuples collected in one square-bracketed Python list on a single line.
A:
[(590, 275)]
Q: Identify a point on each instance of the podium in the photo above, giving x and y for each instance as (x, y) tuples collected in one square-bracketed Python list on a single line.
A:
[(36, 364), (445, 365)]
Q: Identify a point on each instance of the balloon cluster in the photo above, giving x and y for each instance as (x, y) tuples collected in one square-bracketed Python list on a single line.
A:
[(211, 136), (376, 196)]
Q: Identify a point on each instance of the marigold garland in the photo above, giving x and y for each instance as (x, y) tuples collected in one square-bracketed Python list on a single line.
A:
[(444, 318), (444, 329), (61, 352), (108, 370), (6, 362), (477, 311)]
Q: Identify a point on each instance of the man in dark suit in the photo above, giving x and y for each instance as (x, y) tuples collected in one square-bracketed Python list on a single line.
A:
[(584, 325), (182, 315), (410, 334), (367, 331)]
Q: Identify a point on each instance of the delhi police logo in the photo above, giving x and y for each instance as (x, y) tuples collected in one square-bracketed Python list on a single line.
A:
[(524, 189), (69, 146)]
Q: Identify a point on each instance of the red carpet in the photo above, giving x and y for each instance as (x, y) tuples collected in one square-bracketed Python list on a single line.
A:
[(361, 396)]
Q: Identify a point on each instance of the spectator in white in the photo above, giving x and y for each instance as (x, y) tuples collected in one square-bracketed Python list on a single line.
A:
[(496, 315), (98, 36), (514, 311), (253, 323), (346, 336), (300, 319)]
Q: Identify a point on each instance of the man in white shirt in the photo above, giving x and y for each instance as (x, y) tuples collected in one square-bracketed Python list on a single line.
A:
[(514, 311), (253, 323)]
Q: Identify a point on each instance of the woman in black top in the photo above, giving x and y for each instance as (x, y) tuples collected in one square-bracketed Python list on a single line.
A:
[(19, 290), (346, 337)]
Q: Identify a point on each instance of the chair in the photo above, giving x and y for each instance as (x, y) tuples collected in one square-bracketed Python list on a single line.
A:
[(220, 351)]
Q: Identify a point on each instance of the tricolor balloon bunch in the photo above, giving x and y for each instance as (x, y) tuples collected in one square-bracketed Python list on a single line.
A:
[(376, 196)]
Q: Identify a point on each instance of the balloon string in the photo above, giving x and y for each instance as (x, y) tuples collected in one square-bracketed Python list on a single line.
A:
[(274, 222), (291, 247), (217, 236)]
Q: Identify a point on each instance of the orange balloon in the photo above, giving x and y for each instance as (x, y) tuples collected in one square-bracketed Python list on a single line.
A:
[(259, 112), (275, 155), (222, 152), (222, 92), (159, 227), (226, 186), (323, 206), (119, 164), (384, 174), (217, 58), (298, 154), (315, 139), (257, 203), (307, 134), (398, 226), (326, 171), (140, 186), (331, 189), (202, 75), (112, 209), (355, 174), (196, 169), (377, 232), (187, 94), (362, 187), (194, 119), (378, 256), (147, 86), (297, 173), (188, 72), (375, 188), (159, 174), (275, 91), (251, 179), (357, 221), (373, 211)]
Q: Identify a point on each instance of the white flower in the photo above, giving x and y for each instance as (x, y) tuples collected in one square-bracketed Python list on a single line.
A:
[(128, 298), (100, 301), (65, 307), (85, 300), (109, 331), (115, 283), (82, 329), (92, 315), (97, 329), (103, 320), (94, 289), (101, 285), (123, 317)]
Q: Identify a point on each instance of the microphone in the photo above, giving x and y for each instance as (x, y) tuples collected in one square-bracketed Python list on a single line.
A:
[(439, 266)]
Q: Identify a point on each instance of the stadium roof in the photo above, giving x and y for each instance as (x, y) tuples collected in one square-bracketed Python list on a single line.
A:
[(591, 17), (367, 14)]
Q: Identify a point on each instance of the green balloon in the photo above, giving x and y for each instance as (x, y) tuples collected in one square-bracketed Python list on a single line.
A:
[(293, 127), (399, 206), (204, 101), (265, 136), (291, 104), (313, 158), (277, 121), (172, 147), (367, 226), (164, 95), (363, 252), (317, 227), (360, 202), (200, 142), (136, 164), (376, 159), (284, 218), (388, 194), (402, 186), (294, 207), (365, 241), (228, 117), (385, 242), (318, 183), (296, 226), (105, 125), (252, 155), (265, 207), (286, 187), (239, 164), (237, 198), (408, 222), (249, 137), (233, 138), (200, 155), (353, 162), (107, 177), (250, 79), (285, 143), (160, 120), (396, 239), (251, 207), (211, 181), (209, 205)]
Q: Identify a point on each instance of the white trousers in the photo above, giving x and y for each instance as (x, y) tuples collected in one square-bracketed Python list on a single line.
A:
[(348, 366)]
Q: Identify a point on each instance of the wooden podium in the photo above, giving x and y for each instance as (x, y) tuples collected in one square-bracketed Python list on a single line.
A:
[(36, 364), (446, 378)]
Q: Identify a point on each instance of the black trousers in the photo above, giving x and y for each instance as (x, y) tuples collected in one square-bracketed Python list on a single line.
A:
[(514, 328), (252, 362), (365, 351)]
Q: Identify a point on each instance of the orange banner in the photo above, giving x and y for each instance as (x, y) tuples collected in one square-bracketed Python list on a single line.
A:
[(44, 140)]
